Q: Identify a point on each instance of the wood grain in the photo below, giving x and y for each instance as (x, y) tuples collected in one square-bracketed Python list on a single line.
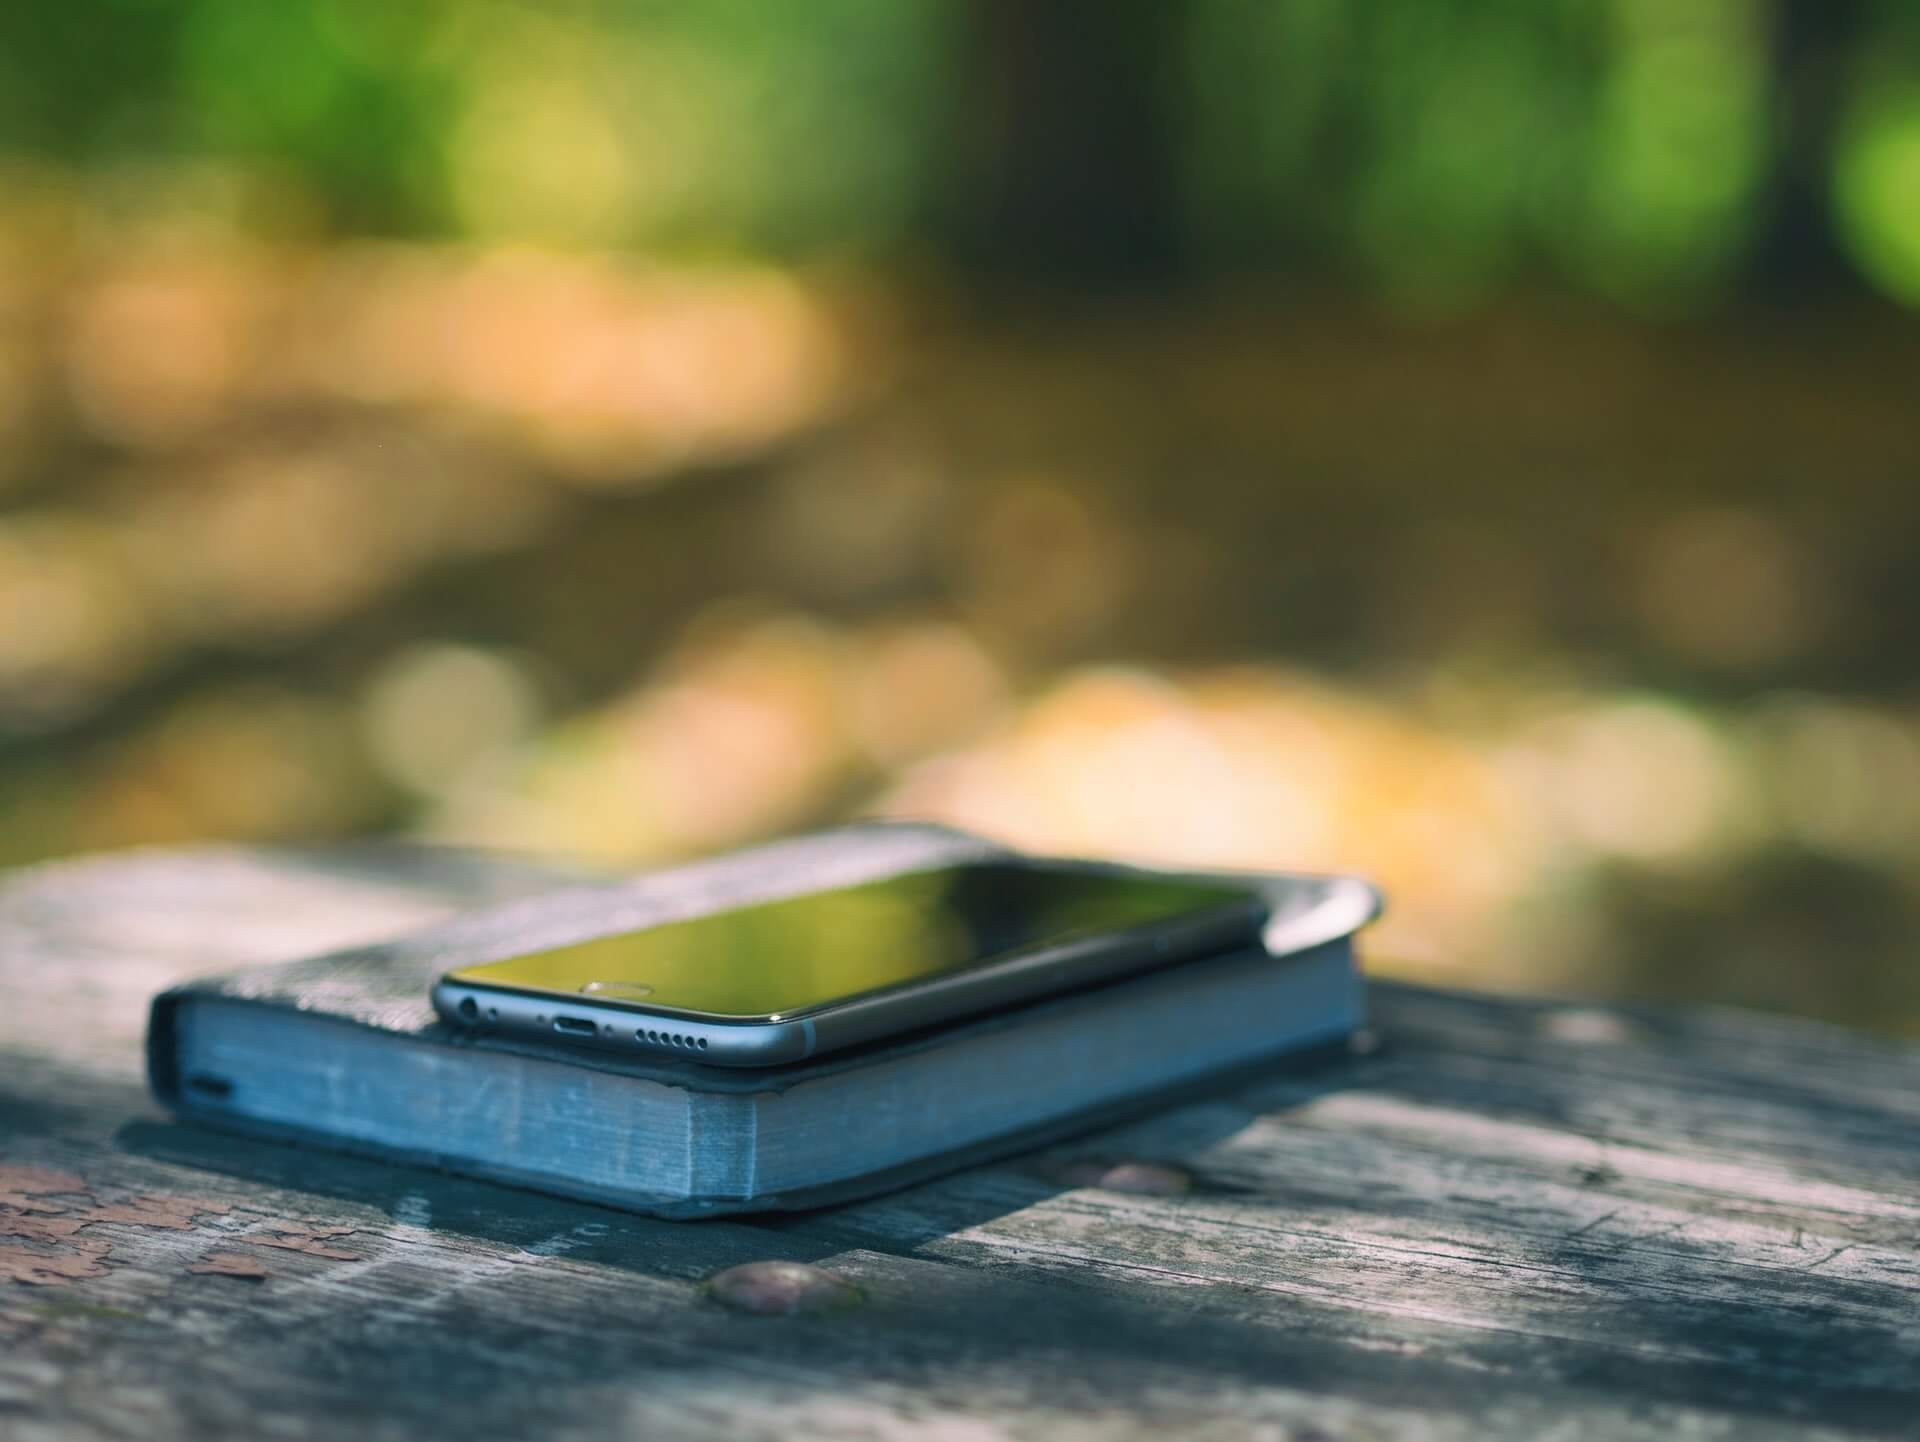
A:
[(1514, 1220)]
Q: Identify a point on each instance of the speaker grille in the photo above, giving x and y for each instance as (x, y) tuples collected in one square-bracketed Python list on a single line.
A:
[(672, 1038)]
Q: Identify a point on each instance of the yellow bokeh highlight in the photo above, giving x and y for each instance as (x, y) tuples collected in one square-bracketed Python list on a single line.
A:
[(1876, 191)]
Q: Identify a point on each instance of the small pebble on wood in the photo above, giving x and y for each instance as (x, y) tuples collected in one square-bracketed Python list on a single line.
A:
[(1586, 1026), (781, 1289), (1148, 1179)]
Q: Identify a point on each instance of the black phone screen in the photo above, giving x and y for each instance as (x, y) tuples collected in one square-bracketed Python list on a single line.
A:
[(783, 958)]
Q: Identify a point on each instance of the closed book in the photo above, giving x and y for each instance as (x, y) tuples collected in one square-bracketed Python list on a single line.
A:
[(346, 1051)]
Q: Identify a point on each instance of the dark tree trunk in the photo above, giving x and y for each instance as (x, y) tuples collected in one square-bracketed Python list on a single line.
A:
[(1815, 43), (1064, 143)]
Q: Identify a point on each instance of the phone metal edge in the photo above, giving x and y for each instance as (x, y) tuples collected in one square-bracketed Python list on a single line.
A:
[(1087, 962), (623, 1031)]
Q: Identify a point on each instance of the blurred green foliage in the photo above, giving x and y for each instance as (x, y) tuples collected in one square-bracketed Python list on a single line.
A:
[(1436, 149), (550, 427)]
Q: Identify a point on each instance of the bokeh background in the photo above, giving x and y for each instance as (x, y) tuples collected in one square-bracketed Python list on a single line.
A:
[(1471, 442)]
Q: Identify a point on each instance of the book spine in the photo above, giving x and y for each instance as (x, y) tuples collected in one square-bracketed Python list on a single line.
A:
[(723, 1143), (163, 1047)]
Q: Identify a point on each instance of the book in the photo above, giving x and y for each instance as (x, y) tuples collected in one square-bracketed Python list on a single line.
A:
[(345, 1050)]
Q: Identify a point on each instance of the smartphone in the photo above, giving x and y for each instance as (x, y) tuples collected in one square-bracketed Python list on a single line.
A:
[(784, 980)]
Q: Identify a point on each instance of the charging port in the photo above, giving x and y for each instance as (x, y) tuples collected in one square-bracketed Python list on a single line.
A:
[(575, 1026)]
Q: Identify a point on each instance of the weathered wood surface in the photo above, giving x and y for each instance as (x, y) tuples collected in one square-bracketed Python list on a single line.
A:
[(1512, 1220)]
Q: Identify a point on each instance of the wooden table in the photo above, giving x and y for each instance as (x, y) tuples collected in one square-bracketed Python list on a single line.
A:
[(1511, 1220)]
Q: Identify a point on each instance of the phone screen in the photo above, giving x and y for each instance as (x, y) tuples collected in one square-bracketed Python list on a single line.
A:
[(782, 958)]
